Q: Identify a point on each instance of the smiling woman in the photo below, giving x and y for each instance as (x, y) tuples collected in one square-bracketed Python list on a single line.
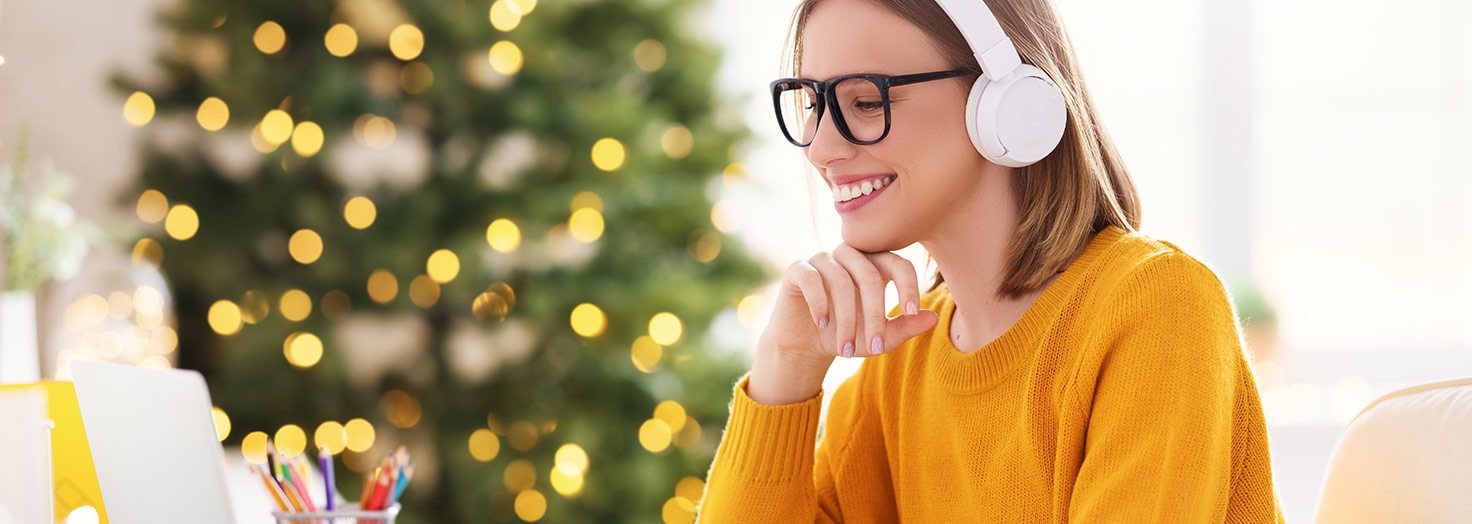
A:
[(1065, 367)]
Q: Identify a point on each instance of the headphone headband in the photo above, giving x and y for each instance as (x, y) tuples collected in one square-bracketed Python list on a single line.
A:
[(994, 51)]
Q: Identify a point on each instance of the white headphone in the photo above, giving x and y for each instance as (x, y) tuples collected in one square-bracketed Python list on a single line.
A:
[(1015, 114)]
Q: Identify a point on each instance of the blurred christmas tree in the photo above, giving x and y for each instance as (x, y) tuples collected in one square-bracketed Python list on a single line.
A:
[(484, 229)]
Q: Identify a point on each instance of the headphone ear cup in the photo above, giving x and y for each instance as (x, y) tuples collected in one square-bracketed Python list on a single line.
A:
[(1017, 120)]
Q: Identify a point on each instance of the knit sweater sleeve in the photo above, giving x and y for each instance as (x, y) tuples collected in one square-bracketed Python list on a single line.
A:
[(1173, 414), (766, 469)]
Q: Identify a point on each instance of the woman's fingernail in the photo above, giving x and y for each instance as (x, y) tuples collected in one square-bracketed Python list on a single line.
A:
[(877, 346), (848, 348), (822, 322), (912, 308)]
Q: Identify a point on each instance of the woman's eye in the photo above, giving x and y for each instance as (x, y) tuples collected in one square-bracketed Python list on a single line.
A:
[(869, 107)]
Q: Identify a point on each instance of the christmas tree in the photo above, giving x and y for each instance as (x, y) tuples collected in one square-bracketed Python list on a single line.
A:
[(483, 230)]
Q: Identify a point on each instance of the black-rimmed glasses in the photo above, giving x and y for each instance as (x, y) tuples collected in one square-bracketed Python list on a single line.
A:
[(860, 102)]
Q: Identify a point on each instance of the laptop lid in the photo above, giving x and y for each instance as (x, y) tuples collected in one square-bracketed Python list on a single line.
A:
[(153, 441)]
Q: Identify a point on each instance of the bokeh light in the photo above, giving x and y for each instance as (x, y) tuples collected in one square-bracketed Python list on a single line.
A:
[(519, 476), (750, 310), (672, 413), (331, 435), (401, 408), (307, 139), (655, 435), (571, 459), (666, 329), (531, 505), (153, 206), (406, 42), (382, 286), (305, 246), (646, 354), (416, 77), (254, 307), (503, 235), (505, 15), (181, 223), (222, 423), (335, 304), (484, 445), (495, 302), (566, 485), (290, 440), (276, 127), (522, 436), (691, 488), (303, 350), (678, 510), (586, 225), (138, 109), (722, 217), (224, 318), (270, 37), (587, 200), (341, 40), (213, 114), (649, 55), (374, 131), (360, 435), (443, 266), (506, 57), (608, 154), (424, 291), (253, 446), (705, 246), (295, 305), (588, 320), (359, 212), (524, 7), (677, 142)]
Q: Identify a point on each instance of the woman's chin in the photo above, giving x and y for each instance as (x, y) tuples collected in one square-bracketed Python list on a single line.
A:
[(869, 242)]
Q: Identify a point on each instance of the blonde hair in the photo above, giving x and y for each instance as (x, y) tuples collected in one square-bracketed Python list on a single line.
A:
[(1080, 188)]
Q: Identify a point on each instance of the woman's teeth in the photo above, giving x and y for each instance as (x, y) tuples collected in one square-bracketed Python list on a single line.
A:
[(849, 192)]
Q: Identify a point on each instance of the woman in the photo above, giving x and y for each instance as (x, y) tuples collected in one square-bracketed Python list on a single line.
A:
[(1063, 367)]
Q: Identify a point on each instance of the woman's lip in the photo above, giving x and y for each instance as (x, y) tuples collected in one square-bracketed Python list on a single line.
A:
[(843, 180)]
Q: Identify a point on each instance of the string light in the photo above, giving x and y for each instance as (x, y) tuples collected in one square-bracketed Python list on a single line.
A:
[(303, 350), (305, 246), (213, 114), (443, 266), (531, 505), (424, 291), (588, 320), (307, 139), (649, 55), (291, 440), (222, 423), (152, 206), (359, 212), (505, 15), (138, 109), (382, 286), (406, 42), (677, 142), (608, 154), (646, 354), (691, 488), (666, 329), (503, 235), (672, 413), (253, 446), (276, 127), (375, 131), (484, 445), (506, 58), (655, 435), (295, 305), (224, 318), (270, 37), (341, 40), (181, 223), (332, 436), (566, 485), (586, 225), (360, 435)]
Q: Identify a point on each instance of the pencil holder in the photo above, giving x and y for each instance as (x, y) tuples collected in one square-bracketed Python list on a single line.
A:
[(348, 514)]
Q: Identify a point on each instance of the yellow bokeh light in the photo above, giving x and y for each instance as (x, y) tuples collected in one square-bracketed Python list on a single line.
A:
[(222, 423), (276, 127), (666, 329), (524, 7), (672, 413), (336, 304), (646, 354), (443, 266), (678, 510), (750, 310), (119, 305), (522, 436), (224, 318), (424, 291), (734, 177), (503, 235), (649, 55), (148, 301), (608, 154), (586, 224), (213, 114), (295, 305), (484, 445), (148, 251), (655, 435), (565, 484), (331, 435), (305, 246), (164, 340), (375, 131), (307, 139), (505, 15), (506, 57), (182, 222), (270, 37), (588, 320), (691, 488), (401, 408), (341, 40), (382, 286), (721, 216), (519, 476), (688, 435), (677, 142), (253, 446), (359, 212), (493, 303), (531, 505), (152, 206), (254, 307), (406, 42), (705, 247), (290, 440), (303, 350), (258, 140), (139, 108), (571, 460), (416, 77), (588, 200), (360, 435)]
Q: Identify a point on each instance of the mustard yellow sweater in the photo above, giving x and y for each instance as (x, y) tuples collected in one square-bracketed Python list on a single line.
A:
[(1122, 395)]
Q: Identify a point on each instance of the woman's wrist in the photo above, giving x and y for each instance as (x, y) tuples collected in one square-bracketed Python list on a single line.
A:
[(777, 378)]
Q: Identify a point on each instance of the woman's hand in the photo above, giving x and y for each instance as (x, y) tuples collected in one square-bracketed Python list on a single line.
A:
[(830, 305)]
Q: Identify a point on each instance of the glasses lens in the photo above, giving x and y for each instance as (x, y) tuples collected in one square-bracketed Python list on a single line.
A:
[(799, 107), (863, 108)]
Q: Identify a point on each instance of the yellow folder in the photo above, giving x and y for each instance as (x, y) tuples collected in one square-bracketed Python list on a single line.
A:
[(72, 470)]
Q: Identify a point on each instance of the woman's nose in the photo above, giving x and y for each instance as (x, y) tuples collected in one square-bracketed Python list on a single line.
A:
[(828, 145)]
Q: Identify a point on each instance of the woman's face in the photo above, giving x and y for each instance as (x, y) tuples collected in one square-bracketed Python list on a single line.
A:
[(926, 167)]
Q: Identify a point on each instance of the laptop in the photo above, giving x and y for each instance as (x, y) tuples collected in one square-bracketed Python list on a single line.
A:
[(154, 445)]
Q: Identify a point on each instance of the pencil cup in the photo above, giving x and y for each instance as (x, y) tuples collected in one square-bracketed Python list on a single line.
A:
[(348, 514)]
